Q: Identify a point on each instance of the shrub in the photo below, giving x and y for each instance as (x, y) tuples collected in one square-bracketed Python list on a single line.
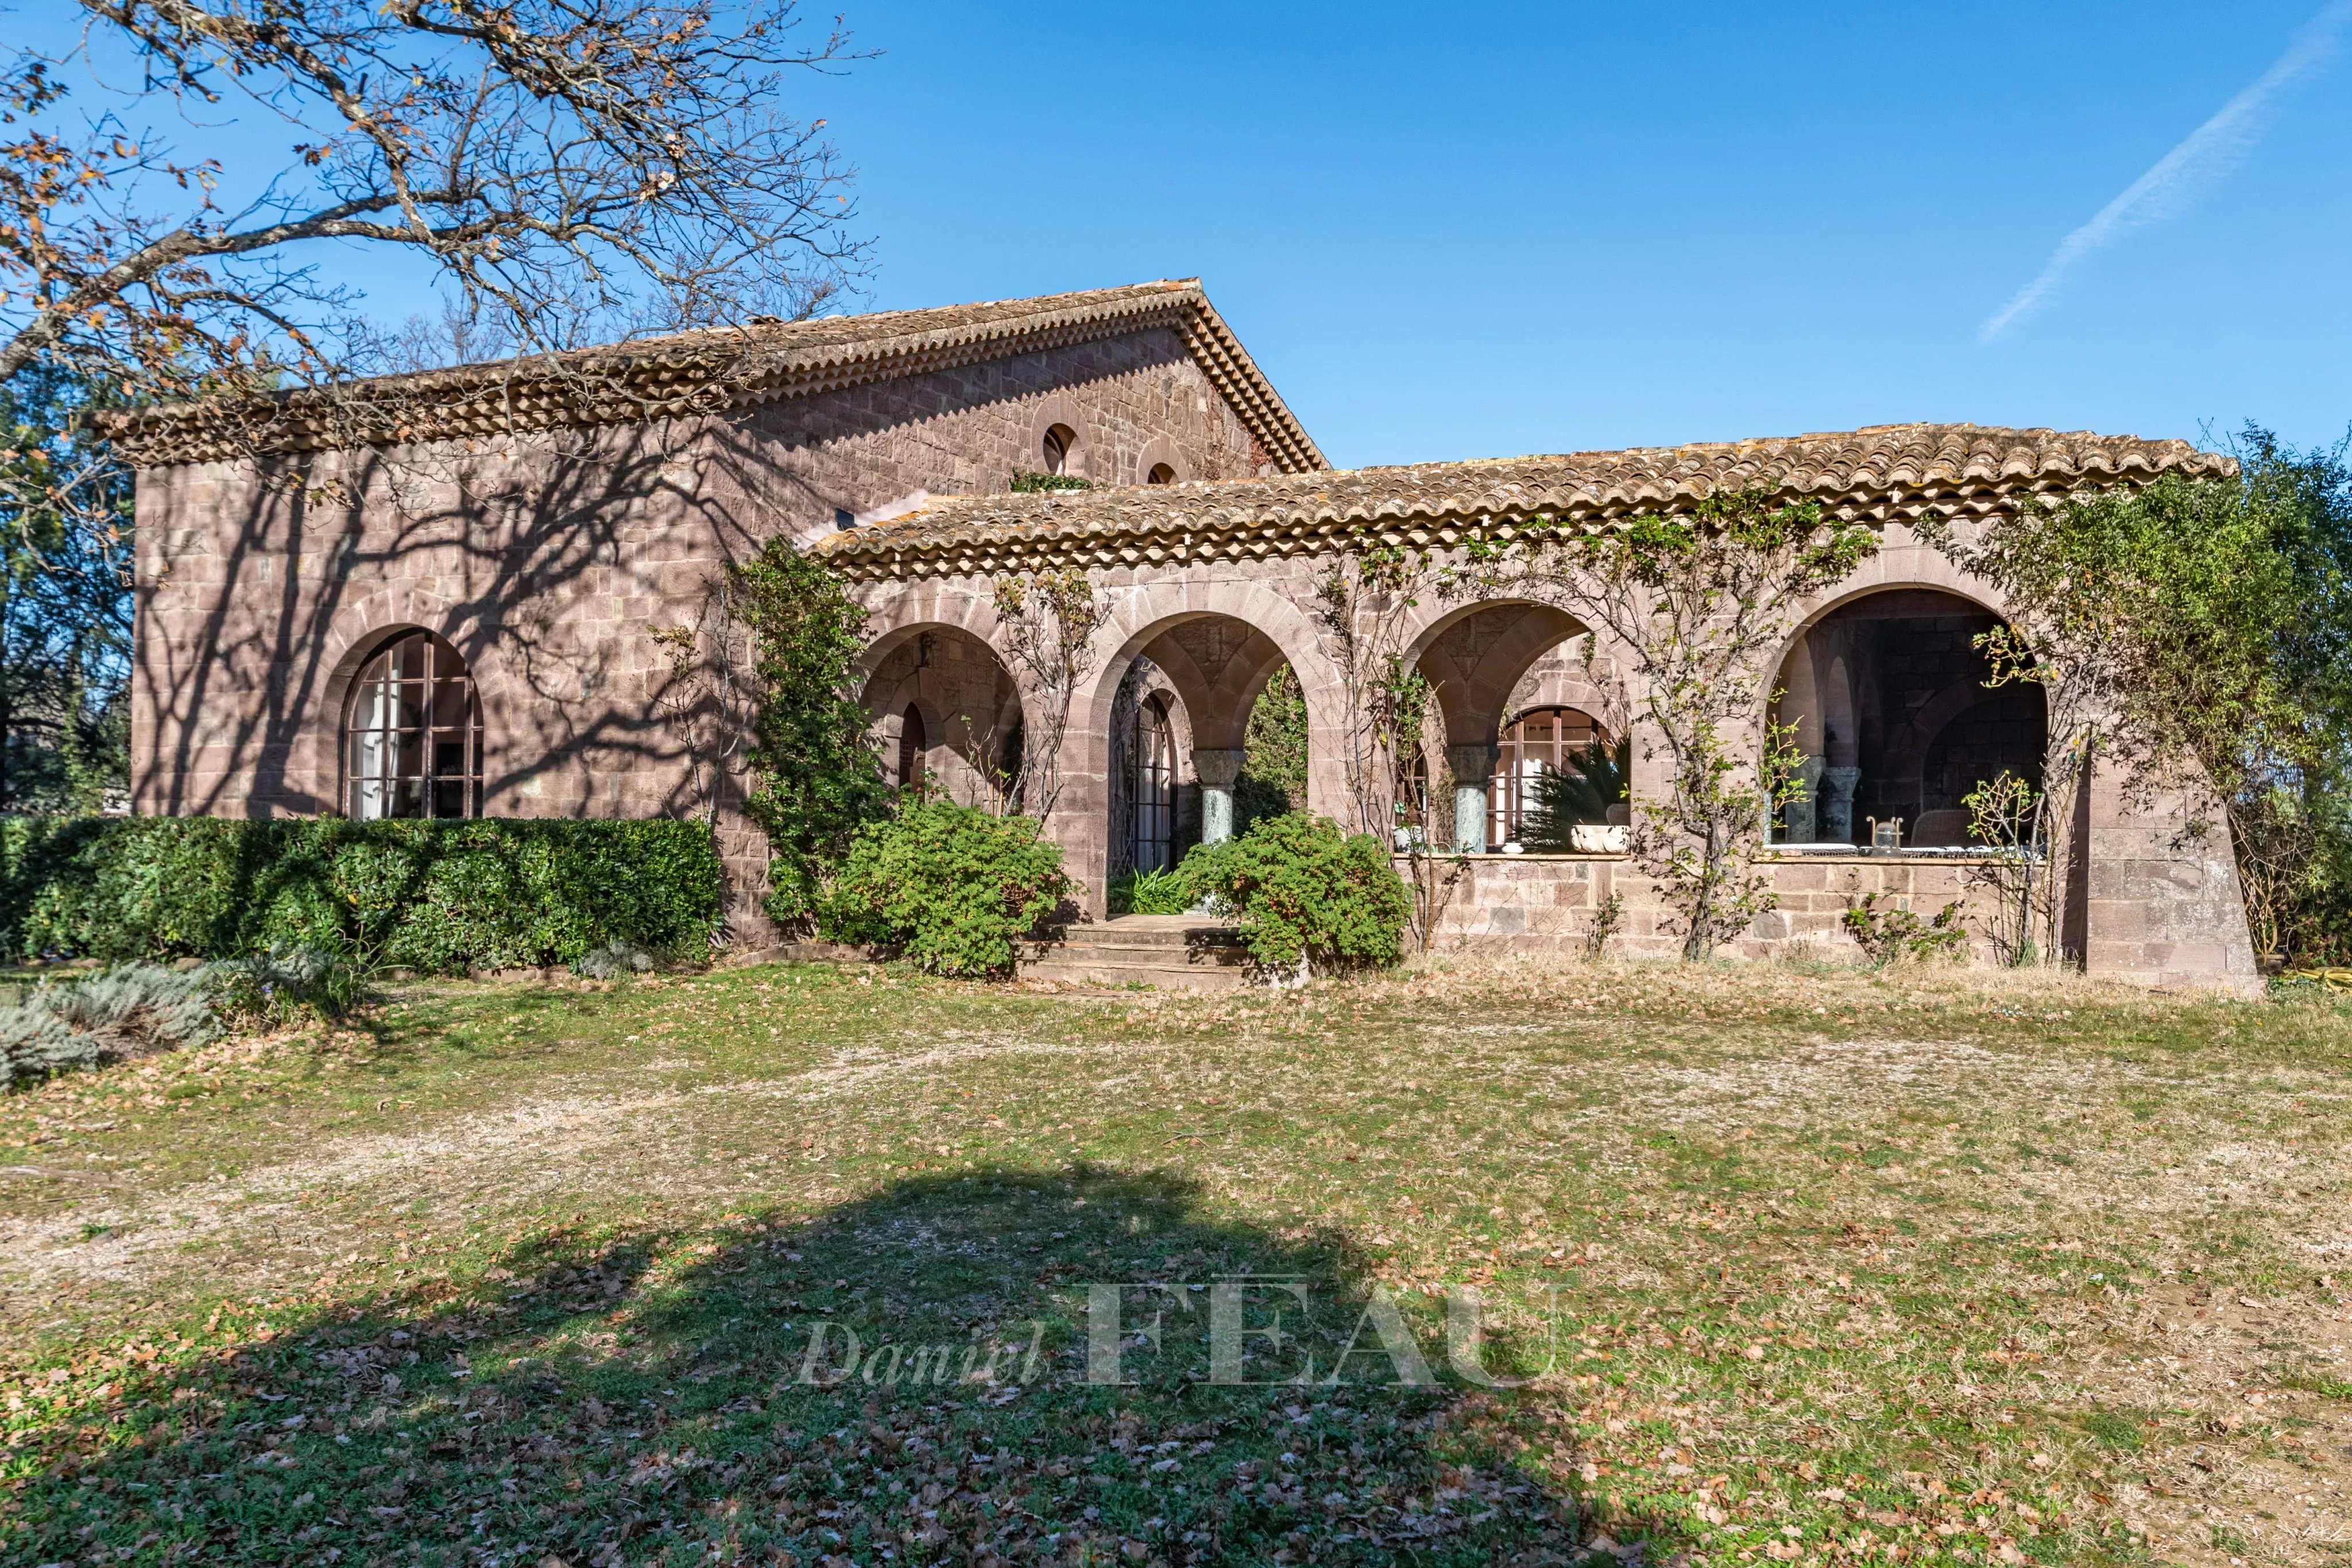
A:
[(612, 961), (284, 985), (1890, 935), (439, 896), (1168, 892), (36, 1042), (138, 1009), (948, 886), (1606, 919), (1305, 890), (130, 1009), (1026, 483)]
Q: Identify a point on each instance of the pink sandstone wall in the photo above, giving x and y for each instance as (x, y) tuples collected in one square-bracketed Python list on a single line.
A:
[(549, 560), (2146, 930), (1546, 903)]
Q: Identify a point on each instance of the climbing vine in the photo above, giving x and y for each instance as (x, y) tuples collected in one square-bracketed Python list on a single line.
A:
[(1049, 619), (1364, 607), (816, 778), (1697, 600)]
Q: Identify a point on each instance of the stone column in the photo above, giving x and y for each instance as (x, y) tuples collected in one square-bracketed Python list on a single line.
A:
[(1802, 813), (1217, 769), (1472, 766), (1837, 804)]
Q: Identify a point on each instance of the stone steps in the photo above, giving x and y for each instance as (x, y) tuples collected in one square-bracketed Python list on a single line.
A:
[(1181, 952)]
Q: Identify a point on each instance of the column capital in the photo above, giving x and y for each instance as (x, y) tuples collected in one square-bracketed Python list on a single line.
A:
[(1472, 764), (1217, 766)]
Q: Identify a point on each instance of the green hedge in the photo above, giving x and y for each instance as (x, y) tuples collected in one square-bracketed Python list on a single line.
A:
[(1305, 888), (439, 896)]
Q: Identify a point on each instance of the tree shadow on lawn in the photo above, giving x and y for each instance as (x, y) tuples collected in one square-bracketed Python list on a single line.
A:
[(657, 1399)]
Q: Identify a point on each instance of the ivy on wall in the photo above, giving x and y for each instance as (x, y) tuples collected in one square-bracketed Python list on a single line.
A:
[(818, 776)]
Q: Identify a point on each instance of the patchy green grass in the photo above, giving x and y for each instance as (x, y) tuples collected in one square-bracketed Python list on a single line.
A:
[(1916, 1266)]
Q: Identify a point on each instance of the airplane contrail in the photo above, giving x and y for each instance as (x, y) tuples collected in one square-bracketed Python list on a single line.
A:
[(2205, 153)]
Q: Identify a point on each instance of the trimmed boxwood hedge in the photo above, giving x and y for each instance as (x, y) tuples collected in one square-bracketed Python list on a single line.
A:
[(440, 896)]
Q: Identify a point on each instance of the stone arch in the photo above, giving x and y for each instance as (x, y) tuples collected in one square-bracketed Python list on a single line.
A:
[(1903, 563), (1061, 409), (1218, 665), (1145, 613), (1259, 629), (969, 714), (921, 606), (1146, 687), (1869, 682), (1473, 657), (1157, 451)]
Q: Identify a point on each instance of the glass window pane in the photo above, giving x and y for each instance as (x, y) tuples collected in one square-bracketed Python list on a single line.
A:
[(368, 712), (413, 721)]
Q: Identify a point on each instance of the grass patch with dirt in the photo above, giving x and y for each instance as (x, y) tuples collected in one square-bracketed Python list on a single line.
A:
[(1921, 1266)]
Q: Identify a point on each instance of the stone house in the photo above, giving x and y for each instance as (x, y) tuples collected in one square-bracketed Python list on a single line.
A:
[(442, 594)]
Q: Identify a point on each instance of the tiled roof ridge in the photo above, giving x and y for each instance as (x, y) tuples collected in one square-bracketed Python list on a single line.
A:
[(714, 370), (1880, 474)]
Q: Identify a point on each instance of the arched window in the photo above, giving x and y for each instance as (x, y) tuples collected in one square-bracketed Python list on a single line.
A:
[(912, 744), (412, 734), (1543, 737), (1162, 473), (1155, 789), (1060, 441)]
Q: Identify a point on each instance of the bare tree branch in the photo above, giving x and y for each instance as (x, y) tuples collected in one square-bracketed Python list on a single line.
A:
[(572, 170)]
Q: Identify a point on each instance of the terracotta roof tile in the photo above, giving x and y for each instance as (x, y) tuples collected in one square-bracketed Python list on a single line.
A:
[(713, 370), (1882, 473)]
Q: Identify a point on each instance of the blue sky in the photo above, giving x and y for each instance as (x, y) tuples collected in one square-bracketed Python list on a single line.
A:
[(1506, 229)]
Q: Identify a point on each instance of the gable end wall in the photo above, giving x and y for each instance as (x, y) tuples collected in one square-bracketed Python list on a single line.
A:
[(261, 590)]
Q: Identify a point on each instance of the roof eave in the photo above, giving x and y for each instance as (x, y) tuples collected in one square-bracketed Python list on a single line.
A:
[(625, 385)]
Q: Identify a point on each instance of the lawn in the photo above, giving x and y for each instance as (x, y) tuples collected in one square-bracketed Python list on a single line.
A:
[(1768, 1265)]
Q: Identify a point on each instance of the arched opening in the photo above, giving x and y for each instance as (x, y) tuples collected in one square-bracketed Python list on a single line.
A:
[(1059, 443), (1162, 473), (1888, 702), (1272, 778), (1152, 789), (1194, 681), (1474, 661), (413, 734), (1548, 739), (956, 713), (912, 744)]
